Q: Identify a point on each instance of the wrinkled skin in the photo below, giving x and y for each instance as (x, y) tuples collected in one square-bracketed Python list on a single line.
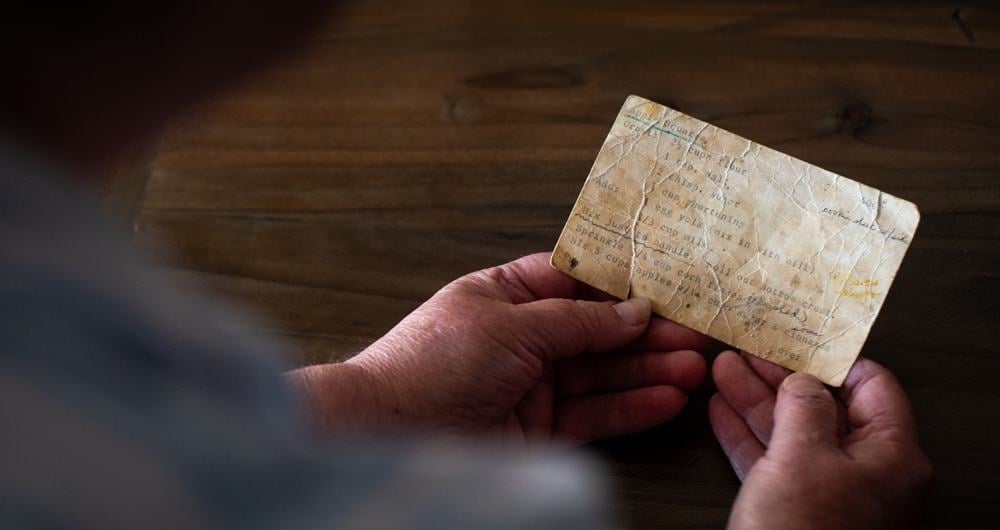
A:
[(522, 355), (809, 459), (513, 354)]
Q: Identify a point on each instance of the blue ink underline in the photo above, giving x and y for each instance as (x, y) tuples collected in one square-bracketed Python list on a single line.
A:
[(667, 131)]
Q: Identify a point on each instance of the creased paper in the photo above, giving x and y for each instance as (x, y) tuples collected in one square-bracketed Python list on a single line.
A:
[(758, 249)]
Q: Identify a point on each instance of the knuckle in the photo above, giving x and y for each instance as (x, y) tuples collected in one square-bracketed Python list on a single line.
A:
[(588, 322), (530, 333), (461, 285), (814, 398), (576, 322), (588, 315), (491, 283), (508, 277), (807, 391)]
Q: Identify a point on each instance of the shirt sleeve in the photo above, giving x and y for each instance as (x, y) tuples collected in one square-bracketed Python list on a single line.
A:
[(132, 402)]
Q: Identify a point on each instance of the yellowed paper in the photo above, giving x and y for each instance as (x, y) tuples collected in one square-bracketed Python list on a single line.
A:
[(760, 250)]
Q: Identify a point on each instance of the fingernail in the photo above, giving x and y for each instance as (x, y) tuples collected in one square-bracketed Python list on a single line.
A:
[(802, 380), (634, 311)]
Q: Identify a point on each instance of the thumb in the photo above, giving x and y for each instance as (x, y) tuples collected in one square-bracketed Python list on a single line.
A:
[(805, 414), (557, 327)]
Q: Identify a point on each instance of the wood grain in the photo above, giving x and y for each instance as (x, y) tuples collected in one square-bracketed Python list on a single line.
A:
[(408, 143)]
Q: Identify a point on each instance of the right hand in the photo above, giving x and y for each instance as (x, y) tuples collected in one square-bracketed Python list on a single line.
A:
[(811, 460)]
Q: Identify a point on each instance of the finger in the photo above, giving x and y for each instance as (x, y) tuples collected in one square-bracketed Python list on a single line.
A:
[(532, 278), (745, 391), (666, 335), (588, 418), (614, 373), (884, 427), (771, 373), (737, 440), (557, 328), (876, 402), (774, 374), (805, 415)]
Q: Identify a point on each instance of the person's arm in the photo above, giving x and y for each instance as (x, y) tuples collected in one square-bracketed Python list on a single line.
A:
[(519, 353), (809, 459)]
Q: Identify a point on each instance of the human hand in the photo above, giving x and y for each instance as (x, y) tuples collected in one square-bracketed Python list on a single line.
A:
[(514, 354), (810, 460)]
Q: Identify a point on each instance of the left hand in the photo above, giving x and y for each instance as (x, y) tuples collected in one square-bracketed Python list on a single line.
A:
[(512, 353)]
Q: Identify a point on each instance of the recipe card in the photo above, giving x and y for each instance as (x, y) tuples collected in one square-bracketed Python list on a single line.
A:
[(770, 254)]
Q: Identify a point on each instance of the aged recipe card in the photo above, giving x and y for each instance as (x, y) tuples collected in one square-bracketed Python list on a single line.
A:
[(760, 250)]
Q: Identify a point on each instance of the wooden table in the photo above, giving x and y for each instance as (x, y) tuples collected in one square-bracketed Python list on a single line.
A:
[(406, 143)]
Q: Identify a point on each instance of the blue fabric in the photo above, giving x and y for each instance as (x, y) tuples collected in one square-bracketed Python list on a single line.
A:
[(129, 401)]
